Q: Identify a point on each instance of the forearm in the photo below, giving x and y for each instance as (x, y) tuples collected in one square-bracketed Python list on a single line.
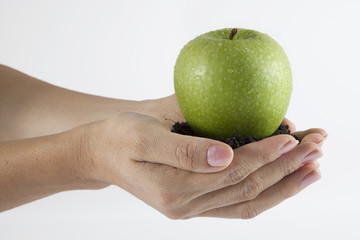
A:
[(38, 167), (30, 107)]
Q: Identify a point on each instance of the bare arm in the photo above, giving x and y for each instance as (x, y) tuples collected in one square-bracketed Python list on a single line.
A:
[(35, 168), (30, 107)]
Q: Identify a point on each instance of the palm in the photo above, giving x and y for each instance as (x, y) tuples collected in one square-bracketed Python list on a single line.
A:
[(167, 111)]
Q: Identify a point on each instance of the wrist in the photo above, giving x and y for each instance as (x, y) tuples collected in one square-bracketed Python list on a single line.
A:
[(88, 152), (79, 159), (84, 159), (44, 166)]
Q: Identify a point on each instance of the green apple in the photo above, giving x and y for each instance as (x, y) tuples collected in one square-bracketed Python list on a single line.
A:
[(233, 82)]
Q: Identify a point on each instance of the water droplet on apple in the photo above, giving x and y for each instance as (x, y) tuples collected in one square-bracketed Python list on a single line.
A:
[(230, 70)]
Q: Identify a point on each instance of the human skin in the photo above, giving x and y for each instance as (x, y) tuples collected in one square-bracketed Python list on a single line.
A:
[(53, 140)]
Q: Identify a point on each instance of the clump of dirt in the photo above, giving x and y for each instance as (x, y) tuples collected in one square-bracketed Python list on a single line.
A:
[(234, 141)]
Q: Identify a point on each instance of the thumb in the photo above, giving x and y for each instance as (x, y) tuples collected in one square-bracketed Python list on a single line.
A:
[(190, 153)]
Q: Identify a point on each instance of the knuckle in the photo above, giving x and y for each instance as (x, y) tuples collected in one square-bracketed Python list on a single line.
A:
[(166, 201), (169, 200), (249, 211), (171, 207), (185, 154), (252, 188), (290, 167), (265, 157), (139, 140), (175, 214), (235, 176), (287, 193), (257, 154), (171, 215), (262, 154)]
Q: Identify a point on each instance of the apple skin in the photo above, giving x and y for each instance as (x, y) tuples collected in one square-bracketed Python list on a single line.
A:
[(239, 87)]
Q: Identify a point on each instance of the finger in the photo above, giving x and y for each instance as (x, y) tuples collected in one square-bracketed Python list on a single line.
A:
[(286, 188), (247, 159), (159, 145), (291, 125), (259, 180), (314, 138), (302, 134)]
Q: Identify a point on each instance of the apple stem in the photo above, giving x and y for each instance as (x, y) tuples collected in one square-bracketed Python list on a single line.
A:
[(232, 34)]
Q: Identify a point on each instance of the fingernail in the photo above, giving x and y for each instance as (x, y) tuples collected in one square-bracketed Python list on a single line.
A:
[(288, 146), (315, 163), (219, 156), (310, 178), (325, 135), (316, 154), (321, 142)]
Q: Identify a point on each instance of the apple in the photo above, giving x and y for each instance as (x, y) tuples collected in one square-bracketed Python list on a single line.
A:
[(233, 82)]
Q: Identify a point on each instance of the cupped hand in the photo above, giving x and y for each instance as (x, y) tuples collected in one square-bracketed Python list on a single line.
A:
[(167, 111), (185, 177)]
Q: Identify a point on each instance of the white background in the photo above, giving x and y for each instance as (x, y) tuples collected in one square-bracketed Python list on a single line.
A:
[(127, 49)]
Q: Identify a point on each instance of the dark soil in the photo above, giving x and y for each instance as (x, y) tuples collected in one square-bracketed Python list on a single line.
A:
[(235, 141)]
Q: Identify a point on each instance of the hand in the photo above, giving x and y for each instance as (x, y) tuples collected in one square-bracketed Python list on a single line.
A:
[(175, 174), (170, 171), (167, 111)]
